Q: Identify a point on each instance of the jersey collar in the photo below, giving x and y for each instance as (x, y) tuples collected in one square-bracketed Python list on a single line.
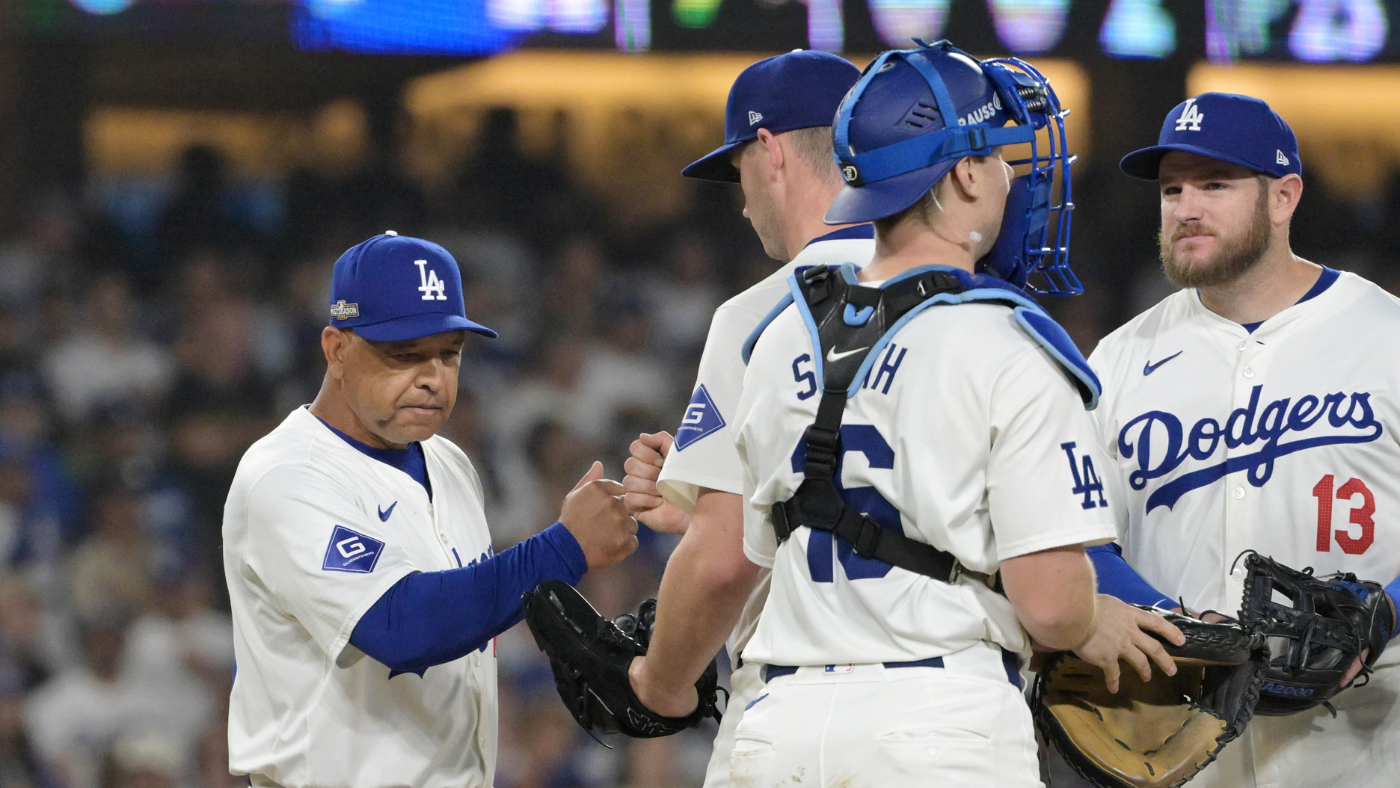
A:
[(854, 232), (1322, 292)]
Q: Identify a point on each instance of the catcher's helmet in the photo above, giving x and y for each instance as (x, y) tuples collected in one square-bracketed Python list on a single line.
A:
[(916, 112)]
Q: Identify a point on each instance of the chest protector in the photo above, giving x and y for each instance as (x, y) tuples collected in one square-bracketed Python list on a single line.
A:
[(850, 325)]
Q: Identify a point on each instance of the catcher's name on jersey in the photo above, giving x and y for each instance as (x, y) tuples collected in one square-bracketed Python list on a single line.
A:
[(966, 434), (1282, 441), (704, 455), (315, 532)]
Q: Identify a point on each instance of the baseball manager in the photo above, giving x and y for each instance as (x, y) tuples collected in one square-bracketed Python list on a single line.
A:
[(366, 596)]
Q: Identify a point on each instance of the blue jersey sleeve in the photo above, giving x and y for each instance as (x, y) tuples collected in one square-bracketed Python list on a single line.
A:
[(1394, 591), (1117, 578), (429, 618)]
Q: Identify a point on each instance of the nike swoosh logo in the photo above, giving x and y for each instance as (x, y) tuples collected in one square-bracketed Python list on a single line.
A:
[(832, 356), (384, 516), (1150, 368)]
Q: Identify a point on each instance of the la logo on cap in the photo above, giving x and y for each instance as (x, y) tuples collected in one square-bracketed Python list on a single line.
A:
[(1191, 117), (432, 288)]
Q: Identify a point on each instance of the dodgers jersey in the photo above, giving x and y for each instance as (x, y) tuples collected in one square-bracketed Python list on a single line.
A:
[(314, 533), (704, 454), (966, 434), (1282, 441)]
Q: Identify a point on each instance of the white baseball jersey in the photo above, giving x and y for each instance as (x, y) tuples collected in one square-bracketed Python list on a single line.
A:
[(704, 455), (1285, 441), (314, 533), (966, 434)]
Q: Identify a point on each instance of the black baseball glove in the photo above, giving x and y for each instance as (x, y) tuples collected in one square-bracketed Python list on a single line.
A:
[(1326, 625), (1160, 733), (590, 656)]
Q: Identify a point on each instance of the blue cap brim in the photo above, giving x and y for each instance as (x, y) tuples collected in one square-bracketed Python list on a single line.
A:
[(854, 204), (402, 329), (1145, 163), (715, 165)]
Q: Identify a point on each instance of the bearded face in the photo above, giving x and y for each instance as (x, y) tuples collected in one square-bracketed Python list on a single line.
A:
[(1215, 220)]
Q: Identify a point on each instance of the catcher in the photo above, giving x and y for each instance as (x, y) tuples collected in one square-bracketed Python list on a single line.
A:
[(1256, 409)]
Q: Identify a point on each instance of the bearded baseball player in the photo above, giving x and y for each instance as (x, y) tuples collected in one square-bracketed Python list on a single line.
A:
[(1256, 408), (366, 596), (904, 431), (778, 148)]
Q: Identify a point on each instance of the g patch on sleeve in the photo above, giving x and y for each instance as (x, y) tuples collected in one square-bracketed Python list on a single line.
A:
[(351, 552), (701, 418)]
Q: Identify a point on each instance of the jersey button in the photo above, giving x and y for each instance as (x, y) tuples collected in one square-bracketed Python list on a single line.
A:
[(1238, 493), (1237, 573), (1249, 372), (1242, 345)]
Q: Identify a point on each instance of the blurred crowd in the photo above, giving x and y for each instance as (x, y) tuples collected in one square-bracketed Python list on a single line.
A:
[(141, 352)]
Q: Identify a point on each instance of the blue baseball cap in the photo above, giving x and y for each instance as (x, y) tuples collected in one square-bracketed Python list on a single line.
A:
[(1239, 129), (798, 90), (393, 288)]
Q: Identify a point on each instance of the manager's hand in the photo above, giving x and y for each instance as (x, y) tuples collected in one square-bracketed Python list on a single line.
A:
[(596, 516)]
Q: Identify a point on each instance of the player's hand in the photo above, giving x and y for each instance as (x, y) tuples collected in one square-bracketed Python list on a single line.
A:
[(1119, 632), (595, 514), (643, 468), (1354, 669), (677, 702)]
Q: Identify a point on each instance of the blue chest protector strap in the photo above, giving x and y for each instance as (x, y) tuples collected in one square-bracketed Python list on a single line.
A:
[(851, 324)]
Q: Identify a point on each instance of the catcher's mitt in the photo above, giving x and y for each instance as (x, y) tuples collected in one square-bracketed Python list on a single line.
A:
[(1328, 622), (1155, 734), (590, 656)]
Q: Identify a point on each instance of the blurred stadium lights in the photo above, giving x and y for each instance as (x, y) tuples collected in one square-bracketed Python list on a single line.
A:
[(695, 13), (1313, 31), (559, 16), (103, 7), (420, 27), (1029, 27), (1322, 31), (632, 32), (1317, 31), (826, 30), (1138, 29)]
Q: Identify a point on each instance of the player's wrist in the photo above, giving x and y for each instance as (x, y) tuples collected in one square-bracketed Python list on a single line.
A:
[(651, 689), (1092, 628)]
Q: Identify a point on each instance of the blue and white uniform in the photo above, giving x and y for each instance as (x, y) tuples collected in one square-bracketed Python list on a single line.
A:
[(315, 532), (365, 595), (1281, 436), (797, 90), (704, 454), (1285, 440), (968, 435)]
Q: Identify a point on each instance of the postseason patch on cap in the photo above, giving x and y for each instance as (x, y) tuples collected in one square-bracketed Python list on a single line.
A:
[(343, 311), (701, 418), (351, 552)]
